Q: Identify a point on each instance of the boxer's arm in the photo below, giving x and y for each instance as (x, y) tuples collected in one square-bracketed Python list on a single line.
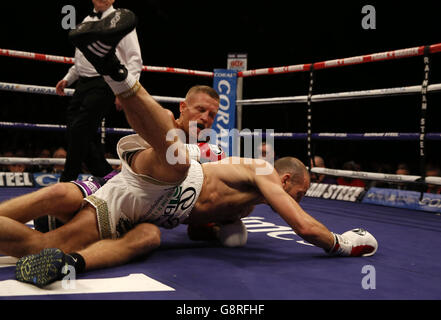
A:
[(354, 243), (301, 222)]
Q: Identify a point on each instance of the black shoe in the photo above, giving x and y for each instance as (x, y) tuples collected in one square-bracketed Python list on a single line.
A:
[(41, 269), (97, 40)]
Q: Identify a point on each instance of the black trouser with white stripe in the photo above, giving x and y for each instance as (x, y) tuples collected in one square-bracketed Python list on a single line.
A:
[(92, 100)]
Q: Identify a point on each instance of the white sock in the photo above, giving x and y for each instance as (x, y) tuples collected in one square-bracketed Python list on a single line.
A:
[(123, 88)]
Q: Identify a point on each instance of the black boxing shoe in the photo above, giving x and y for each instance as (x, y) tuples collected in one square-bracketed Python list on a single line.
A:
[(41, 269), (97, 40)]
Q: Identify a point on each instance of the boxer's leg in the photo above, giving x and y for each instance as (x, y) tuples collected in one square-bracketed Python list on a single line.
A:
[(61, 200), (45, 266), (97, 41)]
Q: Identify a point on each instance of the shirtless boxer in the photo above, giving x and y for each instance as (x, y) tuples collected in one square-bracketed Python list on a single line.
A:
[(149, 191)]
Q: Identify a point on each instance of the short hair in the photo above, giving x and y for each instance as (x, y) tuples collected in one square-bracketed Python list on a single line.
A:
[(204, 89), (293, 166)]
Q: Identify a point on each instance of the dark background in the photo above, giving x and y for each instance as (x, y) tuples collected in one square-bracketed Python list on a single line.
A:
[(200, 34)]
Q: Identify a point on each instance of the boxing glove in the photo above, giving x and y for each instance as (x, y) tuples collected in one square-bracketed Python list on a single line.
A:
[(233, 235), (229, 235), (203, 232), (354, 243), (204, 152)]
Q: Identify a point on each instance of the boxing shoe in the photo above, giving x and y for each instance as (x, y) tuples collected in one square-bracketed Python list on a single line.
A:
[(354, 243), (48, 266), (97, 40), (42, 268)]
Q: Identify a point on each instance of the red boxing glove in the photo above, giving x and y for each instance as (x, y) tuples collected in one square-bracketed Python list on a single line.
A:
[(354, 243), (210, 152)]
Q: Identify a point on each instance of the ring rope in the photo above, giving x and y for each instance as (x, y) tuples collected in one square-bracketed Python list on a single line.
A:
[(381, 56), (376, 176), (60, 59), (57, 127), (373, 93), (279, 100), (387, 55), (332, 172), (26, 88), (43, 161), (367, 136), (390, 55)]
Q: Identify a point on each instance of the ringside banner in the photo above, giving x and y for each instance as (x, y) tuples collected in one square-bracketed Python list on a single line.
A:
[(335, 192), (27, 179), (403, 199), (16, 179), (225, 84)]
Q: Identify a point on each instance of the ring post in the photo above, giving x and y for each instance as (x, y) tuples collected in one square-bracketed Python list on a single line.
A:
[(310, 150), (238, 62), (225, 84), (423, 120)]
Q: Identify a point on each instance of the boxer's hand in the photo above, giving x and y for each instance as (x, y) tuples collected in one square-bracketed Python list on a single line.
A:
[(233, 235), (210, 152), (230, 235), (204, 152), (354, 243), (203, 232), (59, 88)]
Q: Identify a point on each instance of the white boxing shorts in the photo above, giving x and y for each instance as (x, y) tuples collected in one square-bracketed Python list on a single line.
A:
[(130, 198)]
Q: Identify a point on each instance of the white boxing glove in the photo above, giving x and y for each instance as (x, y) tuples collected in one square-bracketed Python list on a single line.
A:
[(354, 243), (233, 234)]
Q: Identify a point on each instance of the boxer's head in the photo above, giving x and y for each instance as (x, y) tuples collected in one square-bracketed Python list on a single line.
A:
[(294, 176), (201, 106)]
